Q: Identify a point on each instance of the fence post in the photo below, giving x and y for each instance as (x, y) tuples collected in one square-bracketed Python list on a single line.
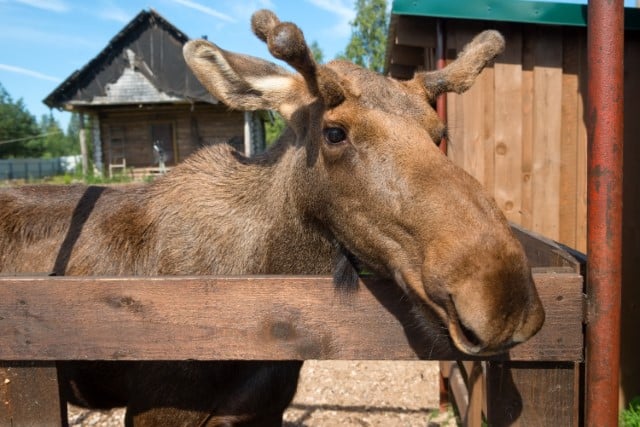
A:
[(605, 53), (29, 395)]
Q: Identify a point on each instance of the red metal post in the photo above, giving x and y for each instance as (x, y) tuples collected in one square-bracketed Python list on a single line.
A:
[(441, 62), (604, 209)]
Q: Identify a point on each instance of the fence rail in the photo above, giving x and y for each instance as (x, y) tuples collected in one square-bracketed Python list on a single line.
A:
[(45, 319)]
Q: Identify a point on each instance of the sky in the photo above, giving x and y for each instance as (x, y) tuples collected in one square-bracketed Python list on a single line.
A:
[(42, 42)]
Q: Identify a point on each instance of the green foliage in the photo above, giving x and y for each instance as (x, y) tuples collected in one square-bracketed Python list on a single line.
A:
[(630, 417), (273, 127), (317, 53), (369, 35), (55, 143), (16, 123), (22, 136)]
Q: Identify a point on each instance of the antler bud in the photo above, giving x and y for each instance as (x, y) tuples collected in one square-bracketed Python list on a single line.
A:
[(461, 73), (286, 42)]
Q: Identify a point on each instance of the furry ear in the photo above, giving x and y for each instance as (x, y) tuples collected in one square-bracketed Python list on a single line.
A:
[(345, 272), (461, 73), (244, 82)]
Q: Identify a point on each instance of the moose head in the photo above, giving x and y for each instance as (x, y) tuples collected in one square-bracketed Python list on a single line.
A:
[(365, 171)]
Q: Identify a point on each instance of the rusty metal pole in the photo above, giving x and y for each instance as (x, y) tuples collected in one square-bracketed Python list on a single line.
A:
[(441, 62), (605, 35)]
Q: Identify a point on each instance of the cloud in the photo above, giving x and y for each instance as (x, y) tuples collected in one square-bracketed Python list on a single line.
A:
[(205, 9), (50, 5), (32, 35), (344, 11), (114, 13), (30, 73), (245, 8)]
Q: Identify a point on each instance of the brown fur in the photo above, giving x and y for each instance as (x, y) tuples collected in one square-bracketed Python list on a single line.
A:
[(384, 194)]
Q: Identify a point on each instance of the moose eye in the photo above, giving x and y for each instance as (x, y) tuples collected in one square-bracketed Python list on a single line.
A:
[(334, 135)]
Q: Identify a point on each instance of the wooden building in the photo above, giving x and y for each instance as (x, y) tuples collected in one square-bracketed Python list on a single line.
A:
[(144, 102), (521, 129)]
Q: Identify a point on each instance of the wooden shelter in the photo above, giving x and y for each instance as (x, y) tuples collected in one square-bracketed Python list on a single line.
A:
[(521, 129), (144, 102)]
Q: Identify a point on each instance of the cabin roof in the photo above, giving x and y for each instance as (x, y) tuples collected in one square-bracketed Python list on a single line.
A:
[(141, 64), (524, 11)]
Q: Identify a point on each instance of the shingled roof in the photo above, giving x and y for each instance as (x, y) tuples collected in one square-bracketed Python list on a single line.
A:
[(143, 63)]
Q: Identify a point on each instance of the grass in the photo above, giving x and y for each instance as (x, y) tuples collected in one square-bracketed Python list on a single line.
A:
[(630, 417), (77, 178)]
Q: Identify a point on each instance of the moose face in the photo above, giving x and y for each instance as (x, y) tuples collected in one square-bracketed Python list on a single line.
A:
[(368, 171)]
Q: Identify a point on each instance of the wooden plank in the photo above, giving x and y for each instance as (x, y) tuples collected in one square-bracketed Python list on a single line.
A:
[(581, 158), (508, 128), (543, 252), (569, 137), (459, 390), (29, 395), (526, 218), (547, 115), (474, 379), (270, 318), (488, 85), (532, 394), (470, 111)]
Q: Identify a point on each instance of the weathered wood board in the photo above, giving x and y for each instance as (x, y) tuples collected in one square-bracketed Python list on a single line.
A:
[(271, 317)]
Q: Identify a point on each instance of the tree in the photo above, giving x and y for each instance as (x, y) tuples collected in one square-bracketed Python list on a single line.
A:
[(54, 142), (274, 127), (317, 53), (369, 35), (18, 129)]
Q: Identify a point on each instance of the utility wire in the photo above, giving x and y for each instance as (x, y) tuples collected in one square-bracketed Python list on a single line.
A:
[(42, 135)]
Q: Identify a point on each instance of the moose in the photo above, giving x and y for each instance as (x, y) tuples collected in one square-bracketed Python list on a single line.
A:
[(355, 176)]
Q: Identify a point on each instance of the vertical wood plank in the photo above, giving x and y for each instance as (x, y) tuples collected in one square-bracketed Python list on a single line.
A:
[(455, 116), (581, 158), (569, 139), (547, 114), (488, 87), (29, 395), (475, 386), (528, 38), (508, 128), (532, 394), (473, 110)]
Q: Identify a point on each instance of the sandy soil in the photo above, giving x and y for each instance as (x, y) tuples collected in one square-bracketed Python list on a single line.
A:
[(345, 394)]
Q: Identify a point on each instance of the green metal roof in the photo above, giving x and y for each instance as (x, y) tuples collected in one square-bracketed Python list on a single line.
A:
[(533, 12)]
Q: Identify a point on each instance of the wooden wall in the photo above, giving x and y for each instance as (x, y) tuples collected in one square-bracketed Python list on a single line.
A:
[(521, 131), (205, 124)]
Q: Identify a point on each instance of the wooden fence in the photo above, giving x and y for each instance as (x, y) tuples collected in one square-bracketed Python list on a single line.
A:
[(521, 131), (44, 319)]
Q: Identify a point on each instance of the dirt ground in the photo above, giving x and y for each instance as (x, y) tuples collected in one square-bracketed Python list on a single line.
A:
[(345, 394)]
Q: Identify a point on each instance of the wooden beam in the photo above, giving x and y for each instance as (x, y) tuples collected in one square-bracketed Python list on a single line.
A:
[(270, 318)]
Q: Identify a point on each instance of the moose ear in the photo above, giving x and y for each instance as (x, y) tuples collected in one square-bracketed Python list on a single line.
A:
[(243, 82), (461, 73)]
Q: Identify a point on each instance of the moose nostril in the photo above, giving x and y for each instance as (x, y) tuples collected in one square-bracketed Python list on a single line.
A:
[(470, 336)]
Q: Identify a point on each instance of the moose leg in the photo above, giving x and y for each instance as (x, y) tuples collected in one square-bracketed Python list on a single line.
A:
[(226, 393)]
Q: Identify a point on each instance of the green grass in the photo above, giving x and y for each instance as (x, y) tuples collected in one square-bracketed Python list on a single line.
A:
[(630, 417)]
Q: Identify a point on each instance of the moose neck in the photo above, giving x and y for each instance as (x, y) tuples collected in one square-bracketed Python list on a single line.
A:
[(251, 208)]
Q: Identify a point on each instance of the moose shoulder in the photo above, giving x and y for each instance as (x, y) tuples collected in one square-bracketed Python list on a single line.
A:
[(356, 173)]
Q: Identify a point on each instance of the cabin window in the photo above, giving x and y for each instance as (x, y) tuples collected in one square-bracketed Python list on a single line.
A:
[(163, 143)]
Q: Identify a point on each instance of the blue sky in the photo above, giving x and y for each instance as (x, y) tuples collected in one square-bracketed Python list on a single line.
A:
[(43, 41)]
